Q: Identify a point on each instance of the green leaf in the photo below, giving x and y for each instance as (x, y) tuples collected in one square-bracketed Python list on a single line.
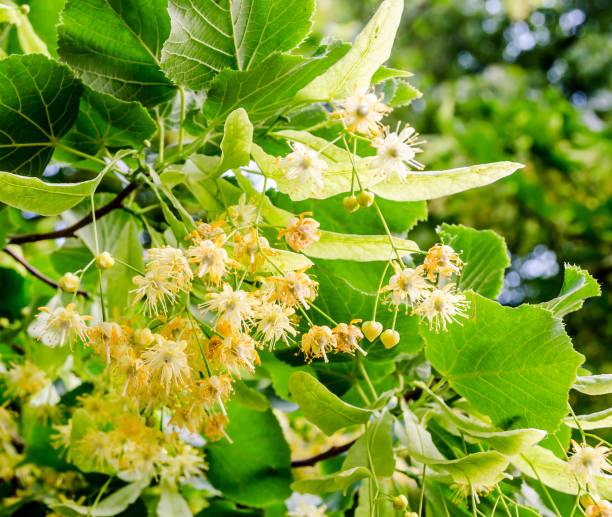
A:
[(594, 384), (370, 49), (485, 255), (38, 105), (577, 286), (503, 361), (249, 397), (171, 502), (598, 420), (114, 504), (542, 464), (399, 93), (506, 442), (321, 407), (209, 36), (267, 89), (373, 449), (105, 121), (42, 198), (116, 46), (433, 184), (481, 468), (236, 143), (332, 482), (255, 470)]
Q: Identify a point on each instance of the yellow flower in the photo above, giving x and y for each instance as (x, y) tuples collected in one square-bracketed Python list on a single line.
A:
[(587, 463), (396, 152), (184, 463), (26, 379), (274, 323), (69, 283), (105, 260), (348, 337), (442, 306), (214, 427), (56, 326), (443, 260), (168, 360), (233, 307), (243, 214), (170, 263), (206, 231), (362, 112), (305, 166), (599, 509), (210, 258), (156, 290), (317, 342), (294, 288), (251, 249), (108, 336), (234, 351), (407, 286), (215, 390), (97, 448), (301, 232)]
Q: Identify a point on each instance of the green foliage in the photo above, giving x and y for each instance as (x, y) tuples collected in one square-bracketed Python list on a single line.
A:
[(251, 475), (486, 258), (39, 105), (502, 359), (116, 47), (320, 406), (208, 37), (183, 184)]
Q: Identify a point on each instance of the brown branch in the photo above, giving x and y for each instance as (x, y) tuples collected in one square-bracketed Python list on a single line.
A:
[(70, 230), (31, 269), (334, 451)]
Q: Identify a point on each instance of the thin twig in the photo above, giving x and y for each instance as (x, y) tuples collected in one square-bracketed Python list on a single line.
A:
[(334, 451), (70, 230), (31, 269)]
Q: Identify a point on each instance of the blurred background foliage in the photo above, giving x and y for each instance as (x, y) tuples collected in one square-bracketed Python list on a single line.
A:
[(521, 80)]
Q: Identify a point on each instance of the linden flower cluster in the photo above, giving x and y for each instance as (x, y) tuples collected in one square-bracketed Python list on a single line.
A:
[(119, 439), (360, 114), (416, 288)]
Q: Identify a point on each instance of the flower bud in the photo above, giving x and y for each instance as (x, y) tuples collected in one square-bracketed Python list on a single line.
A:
[(350, 203), (390, 338), (25, 9), (371, 330), (69, 283), (143, 337), (400, 502), (105, 260), (365, 199)]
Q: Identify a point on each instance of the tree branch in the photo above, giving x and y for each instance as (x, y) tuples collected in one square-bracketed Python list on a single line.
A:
[(31, 269), (70, 230), (334, 451)]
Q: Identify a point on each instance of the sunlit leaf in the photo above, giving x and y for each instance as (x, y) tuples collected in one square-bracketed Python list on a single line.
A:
[(371, 48), (116, 46), (209, 36), (515, 365), (321, 407)]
